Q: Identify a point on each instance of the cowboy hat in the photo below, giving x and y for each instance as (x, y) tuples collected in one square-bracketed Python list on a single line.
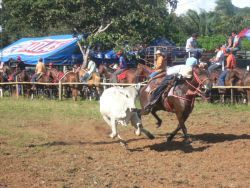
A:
[(158, 52)]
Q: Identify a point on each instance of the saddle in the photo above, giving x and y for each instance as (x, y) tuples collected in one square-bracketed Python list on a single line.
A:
[(39, 76), (123, 75)]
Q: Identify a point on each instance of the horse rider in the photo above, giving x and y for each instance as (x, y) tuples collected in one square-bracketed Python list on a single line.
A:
[(160, 64), (192, 46), (218, 60), (20, 66), (91, 68), (51, 66), (122, 66), (39, 71), (186, 72), (231, 64), (5, 76), (191, 61)]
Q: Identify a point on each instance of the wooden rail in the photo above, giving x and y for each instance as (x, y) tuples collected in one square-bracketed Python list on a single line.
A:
[(60, 84)]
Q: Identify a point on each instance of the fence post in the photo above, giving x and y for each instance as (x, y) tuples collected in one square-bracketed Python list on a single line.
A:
[(17, 89), (1, 92), (60, 90), (232, 95)]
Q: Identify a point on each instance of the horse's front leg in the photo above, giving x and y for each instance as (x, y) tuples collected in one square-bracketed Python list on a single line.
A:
[(159, 121), (187, 140), (172, 135)]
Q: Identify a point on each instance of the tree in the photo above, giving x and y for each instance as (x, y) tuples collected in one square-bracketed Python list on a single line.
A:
[(112, 21)]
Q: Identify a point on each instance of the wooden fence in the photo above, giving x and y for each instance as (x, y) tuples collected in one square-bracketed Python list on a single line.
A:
[(61, 84)]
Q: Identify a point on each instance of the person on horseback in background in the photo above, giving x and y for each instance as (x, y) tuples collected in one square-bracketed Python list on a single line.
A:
[(5, 76), (186, 72), (91, 68), (160, 64), (192, 46), (51, 66), (20, 66), (218, 60), (231, 64), (39, 71), (122, 66)]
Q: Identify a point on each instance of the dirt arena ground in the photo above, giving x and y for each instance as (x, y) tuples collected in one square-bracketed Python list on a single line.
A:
[(80, 154)]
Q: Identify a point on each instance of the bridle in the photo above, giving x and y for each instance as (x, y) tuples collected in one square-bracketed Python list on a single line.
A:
[(197, 90)]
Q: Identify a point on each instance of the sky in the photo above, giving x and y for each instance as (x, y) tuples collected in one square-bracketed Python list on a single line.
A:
[(207, 5)]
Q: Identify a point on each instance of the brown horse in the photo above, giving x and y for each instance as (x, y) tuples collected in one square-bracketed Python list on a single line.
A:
[(70, 77), (136, 75), (92, 89), (180, 99), (246, 82)]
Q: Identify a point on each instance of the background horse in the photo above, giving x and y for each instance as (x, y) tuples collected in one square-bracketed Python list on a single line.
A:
[(139, 74), (68, 78), (92, 89), (180, 99), (41, 89), (246, 82)]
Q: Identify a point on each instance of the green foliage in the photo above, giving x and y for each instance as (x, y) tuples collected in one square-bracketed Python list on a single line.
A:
[(210, 42), (245, 44), (132, 20)]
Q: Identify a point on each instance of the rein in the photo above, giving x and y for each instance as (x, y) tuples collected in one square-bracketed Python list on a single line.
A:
[(197, 89)]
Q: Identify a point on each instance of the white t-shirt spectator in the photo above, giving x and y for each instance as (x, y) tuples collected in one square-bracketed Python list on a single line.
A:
[(91, 67), (191, 44), (220, 57)]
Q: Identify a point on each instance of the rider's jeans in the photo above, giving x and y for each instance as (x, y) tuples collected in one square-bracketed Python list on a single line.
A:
[(222, 78)]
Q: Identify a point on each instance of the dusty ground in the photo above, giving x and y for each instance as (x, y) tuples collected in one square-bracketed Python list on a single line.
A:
[(82, 155)]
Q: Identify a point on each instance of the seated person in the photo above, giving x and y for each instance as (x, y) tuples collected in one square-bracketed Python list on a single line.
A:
[(122, 66), (231, 64), (160, 64), (186, 72), (217, 61), (234, 42), (192, 46), (192, 61), (91, 68), (40, 70)]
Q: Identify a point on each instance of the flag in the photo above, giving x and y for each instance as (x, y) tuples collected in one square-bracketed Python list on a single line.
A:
[(245, 33)]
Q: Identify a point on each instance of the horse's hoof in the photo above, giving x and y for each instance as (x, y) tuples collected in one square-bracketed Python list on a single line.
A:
[(158, 123), (169, 139), (188, 141), (137, 132)]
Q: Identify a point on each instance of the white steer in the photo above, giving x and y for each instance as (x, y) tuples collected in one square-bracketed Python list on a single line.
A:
[(117, 106)]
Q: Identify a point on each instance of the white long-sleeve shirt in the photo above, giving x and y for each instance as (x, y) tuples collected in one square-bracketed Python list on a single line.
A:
[(91, 67)]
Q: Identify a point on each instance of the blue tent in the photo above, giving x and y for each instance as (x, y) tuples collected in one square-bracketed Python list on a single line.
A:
[(60, 50)]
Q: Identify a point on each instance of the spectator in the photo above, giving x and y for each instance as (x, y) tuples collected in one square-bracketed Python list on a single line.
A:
[(218, 60), (231, 64), (192, 46)]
